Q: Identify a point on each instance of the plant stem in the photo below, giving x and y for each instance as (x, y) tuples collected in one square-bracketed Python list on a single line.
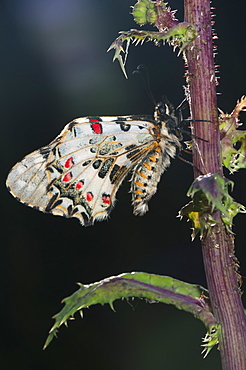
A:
[(218, 247)]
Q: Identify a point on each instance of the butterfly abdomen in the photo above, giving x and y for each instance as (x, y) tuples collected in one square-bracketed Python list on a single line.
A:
[(147, 175)]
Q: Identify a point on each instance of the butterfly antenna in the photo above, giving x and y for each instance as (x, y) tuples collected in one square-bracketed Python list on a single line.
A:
[(179, 109), (181, 121), (182, 105), (143, 71), (190, 163)]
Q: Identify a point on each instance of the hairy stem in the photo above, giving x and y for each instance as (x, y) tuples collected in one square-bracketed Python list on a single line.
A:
[(218, 247)]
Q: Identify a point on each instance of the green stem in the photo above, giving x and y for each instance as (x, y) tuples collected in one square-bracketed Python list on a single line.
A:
[(218, 247)]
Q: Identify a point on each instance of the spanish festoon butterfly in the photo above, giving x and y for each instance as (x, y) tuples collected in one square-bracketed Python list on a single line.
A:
[(80, 171)]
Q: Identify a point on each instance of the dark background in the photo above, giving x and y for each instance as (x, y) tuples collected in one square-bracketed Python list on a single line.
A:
[(54, 67)]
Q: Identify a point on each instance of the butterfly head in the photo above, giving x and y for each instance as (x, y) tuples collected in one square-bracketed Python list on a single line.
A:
[(165, 114)]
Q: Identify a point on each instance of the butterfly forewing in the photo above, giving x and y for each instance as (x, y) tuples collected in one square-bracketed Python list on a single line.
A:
[(79, 172)]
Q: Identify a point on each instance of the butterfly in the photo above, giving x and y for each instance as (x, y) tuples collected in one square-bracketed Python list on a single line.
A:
[(80, 171)]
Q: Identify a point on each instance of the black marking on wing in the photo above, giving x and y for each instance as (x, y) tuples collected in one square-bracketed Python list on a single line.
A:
[(145, 117), (74, 129), (87, 221), (105, 167), (86, 162), (58, 167), (71, 125), (116, 173), (50, 169), (130, 147), (95, 118), (75, 209), (70, 210), (45, 152), (50, 185), (56, 151), (123, 125), (94, 140), (50, 205), (97, 164), (133, 153), (104, 151), (113, 173)]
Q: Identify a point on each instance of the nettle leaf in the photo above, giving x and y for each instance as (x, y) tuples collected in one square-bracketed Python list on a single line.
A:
[(178, 36), (198, 212), (233, 141), (211, 339), (234, 159), (184, 296), (145, 11), (213, 190), (210, 193)]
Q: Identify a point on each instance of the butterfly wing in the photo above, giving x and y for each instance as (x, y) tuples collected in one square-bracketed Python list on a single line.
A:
[(80, 171)]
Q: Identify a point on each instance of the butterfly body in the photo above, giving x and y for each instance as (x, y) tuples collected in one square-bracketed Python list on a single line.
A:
[(80, 171)]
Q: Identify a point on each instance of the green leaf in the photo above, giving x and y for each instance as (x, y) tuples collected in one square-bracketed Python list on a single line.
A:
[(210, 193), (144, 11), (154, 12), (211, 339), (234, 159), (213, 191), (202, 220), (157, 288), (179, 35), (233, 141)]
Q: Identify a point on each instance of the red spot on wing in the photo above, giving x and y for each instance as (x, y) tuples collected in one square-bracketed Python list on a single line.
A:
[(69, 162), (89, 196), (96, 127), (79, 185), (67, 177), (106, 199)]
